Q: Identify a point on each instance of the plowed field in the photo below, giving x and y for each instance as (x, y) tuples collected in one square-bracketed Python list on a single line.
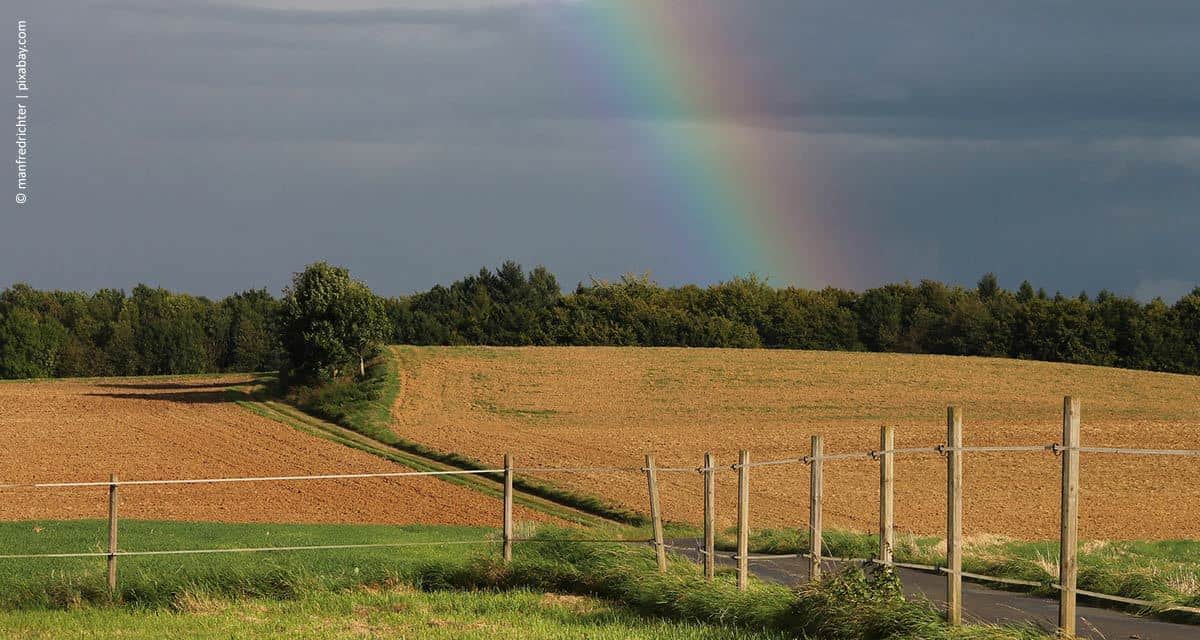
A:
[(608, 406), (187, 428)]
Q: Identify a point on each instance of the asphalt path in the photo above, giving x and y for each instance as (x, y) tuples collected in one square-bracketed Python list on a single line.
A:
[(980, 603)]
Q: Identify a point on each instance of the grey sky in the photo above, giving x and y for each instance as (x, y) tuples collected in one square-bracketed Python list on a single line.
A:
[(212, 147)]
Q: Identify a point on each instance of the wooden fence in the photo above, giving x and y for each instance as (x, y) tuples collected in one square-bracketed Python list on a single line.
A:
[(1068, 450)]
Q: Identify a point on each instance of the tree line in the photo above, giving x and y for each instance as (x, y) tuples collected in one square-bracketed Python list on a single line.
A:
[(148, 331), (326, 323)]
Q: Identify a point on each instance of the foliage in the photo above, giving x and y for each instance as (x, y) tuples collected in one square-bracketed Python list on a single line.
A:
[(847, 605), (509, 308), (147, 332), (328, 320), (344, 400)]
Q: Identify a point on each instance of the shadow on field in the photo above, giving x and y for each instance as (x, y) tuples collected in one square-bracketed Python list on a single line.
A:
[(163, 386), (189, 397)]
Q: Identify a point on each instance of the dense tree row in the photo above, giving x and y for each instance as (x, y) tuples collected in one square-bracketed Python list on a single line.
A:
[(150, 331), (328, 322), (509, 307)]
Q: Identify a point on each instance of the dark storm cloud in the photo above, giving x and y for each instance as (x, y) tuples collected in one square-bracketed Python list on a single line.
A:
[(481, 17), (942, 68), (212, 147)]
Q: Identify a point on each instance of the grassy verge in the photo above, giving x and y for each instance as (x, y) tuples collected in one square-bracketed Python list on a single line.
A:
[(300, 588), (158, 581), (849, 606), (365, 406), (388, 613), (1163, 571)]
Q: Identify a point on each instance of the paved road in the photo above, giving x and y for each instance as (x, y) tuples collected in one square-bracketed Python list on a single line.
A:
[(981, 604)]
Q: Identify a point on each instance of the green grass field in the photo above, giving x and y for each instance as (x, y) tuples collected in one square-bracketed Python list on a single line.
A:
[(556, 587), (393, 613), (156, 581)]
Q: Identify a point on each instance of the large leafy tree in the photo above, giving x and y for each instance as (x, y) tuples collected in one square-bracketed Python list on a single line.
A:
[(328, 320), (29, 345)]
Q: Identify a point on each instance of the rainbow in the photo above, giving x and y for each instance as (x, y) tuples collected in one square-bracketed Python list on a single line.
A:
[(735, 188)]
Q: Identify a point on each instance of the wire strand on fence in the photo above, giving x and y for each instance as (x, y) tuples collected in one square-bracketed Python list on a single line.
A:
[(768, 556), (1138, 452), (866, 455), (902, 451), (587, 540), (1049, 447), (579, 470), (938, 449), (767, 463), (177, 552), (335, 476), (370, 545)]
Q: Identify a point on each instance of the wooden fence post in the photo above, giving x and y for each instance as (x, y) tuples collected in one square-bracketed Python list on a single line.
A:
[(710, 516), (112, 536), (887, 441), (508, 507), (1068, 542), (954, 514), (660, 549), (743, 521), (815, 495)]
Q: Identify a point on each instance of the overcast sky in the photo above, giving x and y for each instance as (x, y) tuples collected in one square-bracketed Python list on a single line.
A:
[(214, 147)]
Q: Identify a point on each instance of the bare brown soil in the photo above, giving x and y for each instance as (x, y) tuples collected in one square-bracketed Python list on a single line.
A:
[(608, 406), (145, 429)]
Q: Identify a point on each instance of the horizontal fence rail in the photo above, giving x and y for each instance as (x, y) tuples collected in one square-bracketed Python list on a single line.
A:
[(1069, 451)]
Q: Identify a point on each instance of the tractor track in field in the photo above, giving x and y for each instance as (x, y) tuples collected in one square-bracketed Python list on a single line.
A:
[(489, 485)]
